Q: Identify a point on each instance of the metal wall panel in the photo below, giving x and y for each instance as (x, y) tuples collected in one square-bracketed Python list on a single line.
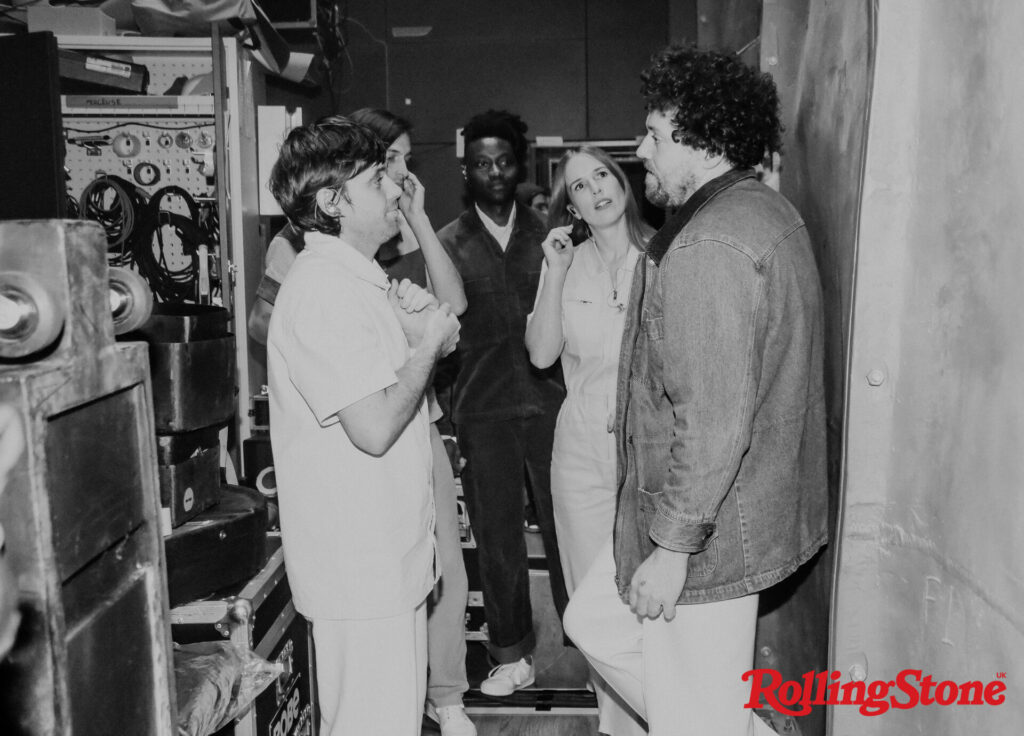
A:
[(929, 568)]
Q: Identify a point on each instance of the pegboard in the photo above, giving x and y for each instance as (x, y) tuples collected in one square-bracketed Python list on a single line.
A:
[(150, 152), (179, 147), (165, 69)]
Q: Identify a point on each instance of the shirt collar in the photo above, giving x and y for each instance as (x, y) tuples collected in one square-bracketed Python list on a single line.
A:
[(674, 224), (335, 249), (501, 233)]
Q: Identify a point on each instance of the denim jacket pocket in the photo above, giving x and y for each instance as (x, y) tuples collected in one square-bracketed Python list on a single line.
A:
[(649, 460), (654, 327)]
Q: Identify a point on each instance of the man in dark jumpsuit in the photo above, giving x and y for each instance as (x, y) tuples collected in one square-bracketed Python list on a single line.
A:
[(503, 408)]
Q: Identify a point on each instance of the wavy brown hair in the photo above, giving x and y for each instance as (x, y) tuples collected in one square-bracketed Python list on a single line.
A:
[(324, 154)]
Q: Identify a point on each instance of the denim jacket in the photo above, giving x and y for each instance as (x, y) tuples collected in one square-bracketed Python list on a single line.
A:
[(496, 380), (720, 419)]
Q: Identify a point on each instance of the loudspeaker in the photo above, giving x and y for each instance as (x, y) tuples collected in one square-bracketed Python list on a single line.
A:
[(31, 130)]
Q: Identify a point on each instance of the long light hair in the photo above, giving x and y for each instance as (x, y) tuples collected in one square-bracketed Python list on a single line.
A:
[(558, 213)]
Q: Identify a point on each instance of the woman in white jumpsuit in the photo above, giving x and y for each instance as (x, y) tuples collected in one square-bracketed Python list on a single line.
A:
[(579, 315)]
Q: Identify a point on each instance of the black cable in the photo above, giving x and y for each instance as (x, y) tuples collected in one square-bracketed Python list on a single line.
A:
[(135, 226), (119, 218), (140, 124), (149, 248)]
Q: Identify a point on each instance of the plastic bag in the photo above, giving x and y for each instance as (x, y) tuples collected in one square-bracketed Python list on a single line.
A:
[(215, 682), (191, 17)]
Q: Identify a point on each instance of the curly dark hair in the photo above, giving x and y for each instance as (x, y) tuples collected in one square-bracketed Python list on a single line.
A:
[(324, 154), (499, 124), (717, 102)]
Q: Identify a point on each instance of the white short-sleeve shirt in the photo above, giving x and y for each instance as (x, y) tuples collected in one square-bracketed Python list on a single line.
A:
[(357, 530)]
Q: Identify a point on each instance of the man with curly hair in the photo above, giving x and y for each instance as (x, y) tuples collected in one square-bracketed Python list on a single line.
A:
[(504, 409), (720, 419)]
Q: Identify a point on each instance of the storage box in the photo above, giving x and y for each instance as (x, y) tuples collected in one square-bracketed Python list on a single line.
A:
[(82, 73), (192, 359), (189, 472), (176, 448), (193, 383), (219, 548), (261, 616)]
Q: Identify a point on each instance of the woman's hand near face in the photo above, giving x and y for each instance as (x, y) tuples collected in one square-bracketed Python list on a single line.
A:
[(558, 249), (411, 202)]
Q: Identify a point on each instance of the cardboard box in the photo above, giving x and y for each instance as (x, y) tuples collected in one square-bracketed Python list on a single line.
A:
[(86, 73)]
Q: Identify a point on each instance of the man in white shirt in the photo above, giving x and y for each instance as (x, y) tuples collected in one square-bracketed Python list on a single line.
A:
[(350, 430)]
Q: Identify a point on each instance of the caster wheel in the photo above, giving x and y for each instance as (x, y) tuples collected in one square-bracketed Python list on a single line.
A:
[(131, 301), (30, 318)]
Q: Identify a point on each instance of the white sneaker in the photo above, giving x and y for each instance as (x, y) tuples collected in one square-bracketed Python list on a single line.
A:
[(505, 679), (452, 719)]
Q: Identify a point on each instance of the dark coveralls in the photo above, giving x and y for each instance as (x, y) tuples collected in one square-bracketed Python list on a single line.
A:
[(504, 410)]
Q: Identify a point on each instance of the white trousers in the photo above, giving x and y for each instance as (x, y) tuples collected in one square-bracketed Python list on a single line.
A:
[(372, 674), (583, 485), (683, 676), (583, 496)]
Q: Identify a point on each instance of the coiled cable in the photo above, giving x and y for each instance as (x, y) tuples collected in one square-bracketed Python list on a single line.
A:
[(114, 203)]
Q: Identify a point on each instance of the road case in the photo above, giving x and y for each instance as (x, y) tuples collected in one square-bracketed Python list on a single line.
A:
[(261, 617), (220, 548)]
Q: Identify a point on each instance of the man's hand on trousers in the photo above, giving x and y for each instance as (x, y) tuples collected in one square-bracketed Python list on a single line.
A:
[(658, 583)]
